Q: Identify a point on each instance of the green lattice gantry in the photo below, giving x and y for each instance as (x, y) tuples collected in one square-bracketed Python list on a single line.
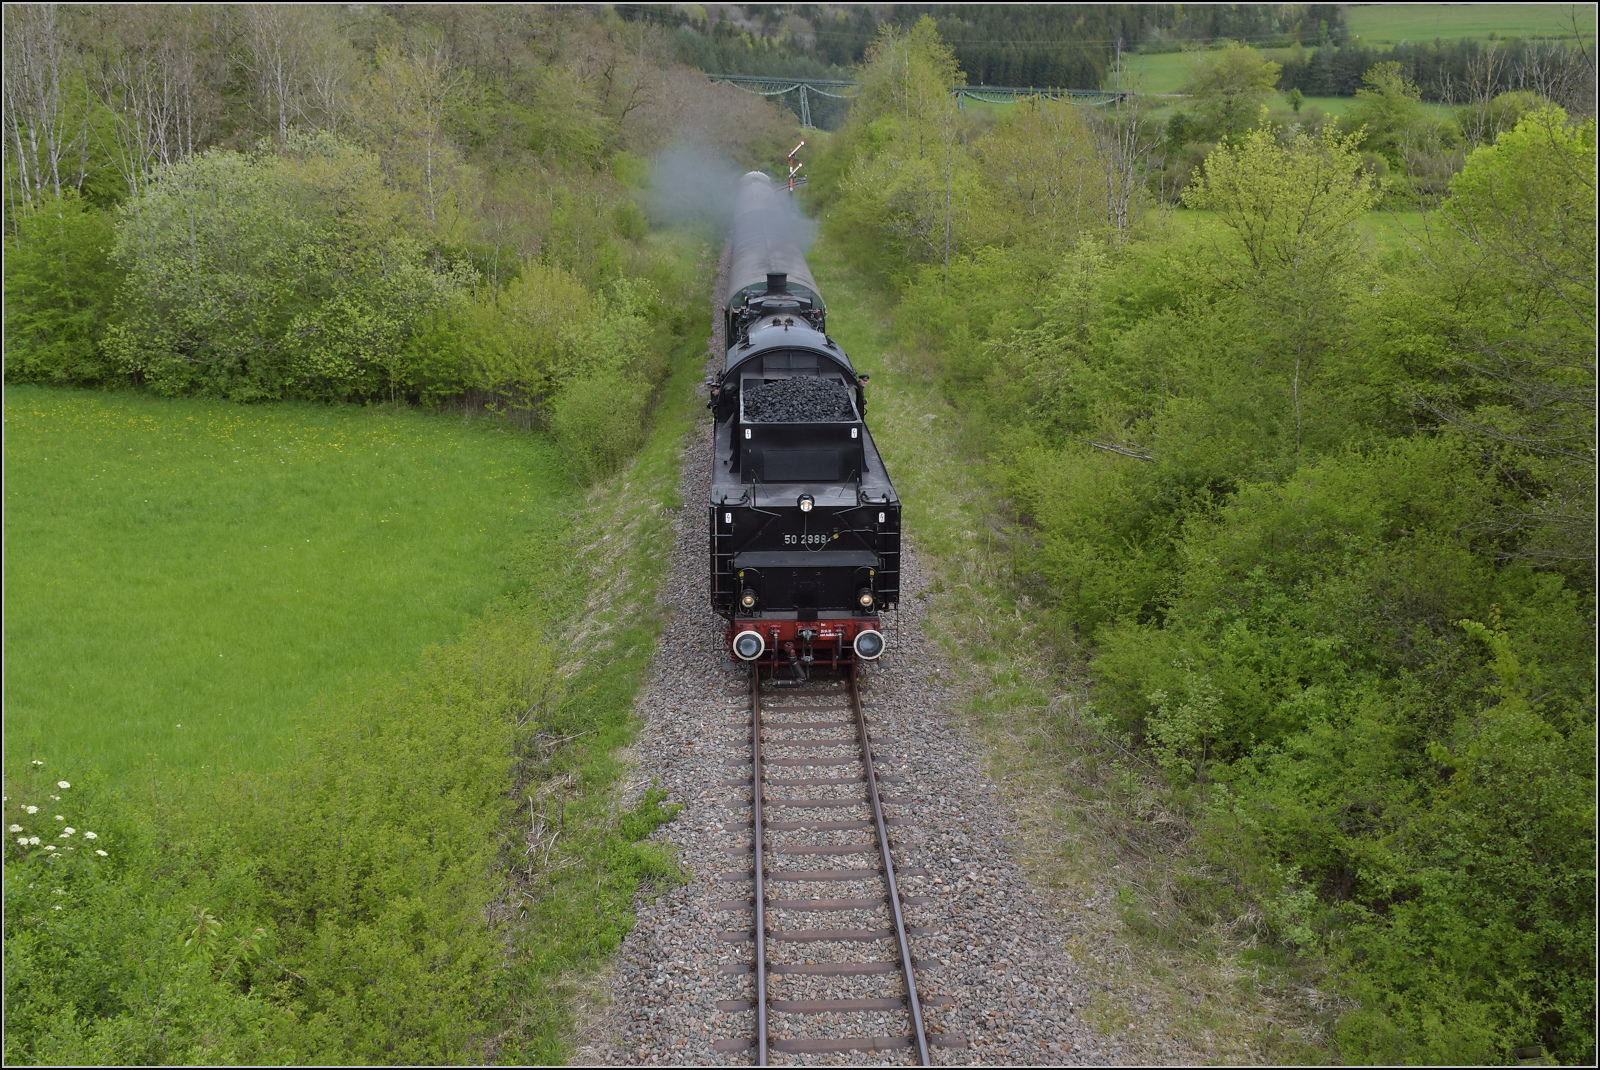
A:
[(845, 90)]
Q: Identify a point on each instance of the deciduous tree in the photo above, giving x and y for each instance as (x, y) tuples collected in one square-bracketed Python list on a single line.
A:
[(1230, 86)]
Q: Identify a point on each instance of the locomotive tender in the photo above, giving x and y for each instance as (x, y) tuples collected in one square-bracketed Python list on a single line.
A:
[(805, 523)]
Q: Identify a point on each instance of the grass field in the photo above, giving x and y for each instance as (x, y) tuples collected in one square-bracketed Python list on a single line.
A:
[(185, 578), (1389, 24), (1381, 25)]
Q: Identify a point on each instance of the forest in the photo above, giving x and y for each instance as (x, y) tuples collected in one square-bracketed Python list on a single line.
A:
[(1077, 46), (283, 202), (1317, 515), (995, 44)]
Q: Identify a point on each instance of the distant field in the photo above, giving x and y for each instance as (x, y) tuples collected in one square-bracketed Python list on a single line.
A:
[(1162, 72), (1389, 24), (184, 578)]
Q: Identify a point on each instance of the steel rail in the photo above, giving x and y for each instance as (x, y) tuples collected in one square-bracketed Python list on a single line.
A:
[(919, 1036), (757, 852)]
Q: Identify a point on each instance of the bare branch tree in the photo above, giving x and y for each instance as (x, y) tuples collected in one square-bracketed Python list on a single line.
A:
[(276, 43), (1124, 140), (36, 112)]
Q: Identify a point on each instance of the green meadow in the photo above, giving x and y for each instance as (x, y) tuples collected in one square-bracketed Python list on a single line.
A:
[(185, 578), (1385, 25), (1390, 24)]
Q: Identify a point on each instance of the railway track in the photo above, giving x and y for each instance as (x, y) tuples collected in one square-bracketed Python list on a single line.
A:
[(819, 986)]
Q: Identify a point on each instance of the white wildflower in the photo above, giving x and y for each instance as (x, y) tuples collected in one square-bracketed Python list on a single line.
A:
[(23, 840), (60, 818), (55, 798), (90, 836), (33, 841), (68, 831), (56, 907), (16, 828), (31, 809), (59, 891), (49, 847), (62, 784), (37, 762), (102, 854)]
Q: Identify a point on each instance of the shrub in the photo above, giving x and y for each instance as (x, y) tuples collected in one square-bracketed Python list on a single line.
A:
[(60, 282), (599, 422), (268, 276)]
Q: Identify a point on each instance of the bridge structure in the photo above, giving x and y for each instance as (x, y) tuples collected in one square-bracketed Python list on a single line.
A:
[(1010, 94), (838, 89)]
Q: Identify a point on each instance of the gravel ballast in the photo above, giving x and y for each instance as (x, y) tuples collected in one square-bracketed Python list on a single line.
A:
[(1004, 979), (800, 399)]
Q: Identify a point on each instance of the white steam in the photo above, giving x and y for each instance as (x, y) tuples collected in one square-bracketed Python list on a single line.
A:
[(694, 182)]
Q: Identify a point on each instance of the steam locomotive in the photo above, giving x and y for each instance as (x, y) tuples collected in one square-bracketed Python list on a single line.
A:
[(805, 523)]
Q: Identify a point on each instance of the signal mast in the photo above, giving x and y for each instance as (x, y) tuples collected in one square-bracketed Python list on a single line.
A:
[(794, 168)]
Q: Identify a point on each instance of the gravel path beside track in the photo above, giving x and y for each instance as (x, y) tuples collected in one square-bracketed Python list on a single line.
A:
[(1011, 987)]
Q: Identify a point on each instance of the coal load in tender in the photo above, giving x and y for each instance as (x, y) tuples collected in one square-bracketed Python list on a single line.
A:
[(802, 399)]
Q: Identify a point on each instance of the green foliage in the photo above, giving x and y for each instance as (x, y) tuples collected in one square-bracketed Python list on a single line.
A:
[(1389, 119), (334, 913), (1043, 167), (59, 287), (1494, 333), (377, 853), (1326, 524), (347, 228), (271, 276), (97, 967), (599, 421), (1231, 87), (902, 161)]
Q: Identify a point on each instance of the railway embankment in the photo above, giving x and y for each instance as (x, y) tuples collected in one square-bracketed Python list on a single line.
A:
[(1006, 980)]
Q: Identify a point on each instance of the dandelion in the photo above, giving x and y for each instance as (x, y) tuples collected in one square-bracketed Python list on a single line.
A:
[(31, 809), (102, 854), (16, 828), (63, 785), (90, 836)]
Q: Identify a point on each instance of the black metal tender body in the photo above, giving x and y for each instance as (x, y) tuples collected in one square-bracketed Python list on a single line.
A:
[(805, 522)]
